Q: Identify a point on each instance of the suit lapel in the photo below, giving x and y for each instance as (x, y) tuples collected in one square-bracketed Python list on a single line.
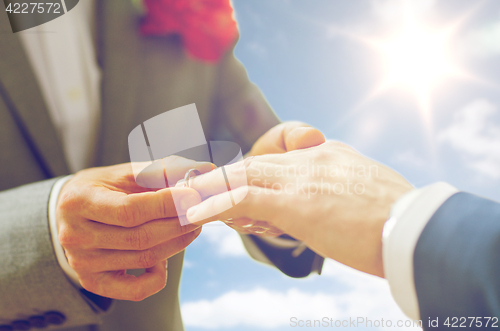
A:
[(119, 54), (24, 99)]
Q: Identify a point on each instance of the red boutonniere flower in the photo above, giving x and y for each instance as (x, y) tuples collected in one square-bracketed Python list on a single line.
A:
[(207, 27)]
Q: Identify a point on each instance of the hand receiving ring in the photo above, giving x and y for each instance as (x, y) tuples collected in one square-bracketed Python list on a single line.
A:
[(188, 176)]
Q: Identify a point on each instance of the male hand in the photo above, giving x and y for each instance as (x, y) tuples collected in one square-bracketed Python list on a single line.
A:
[(108, 224), (330, 197), (282, 138)]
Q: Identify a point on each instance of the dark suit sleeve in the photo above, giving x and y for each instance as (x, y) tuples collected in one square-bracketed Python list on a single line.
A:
[(284, 259), (246, 114), (457, 262)]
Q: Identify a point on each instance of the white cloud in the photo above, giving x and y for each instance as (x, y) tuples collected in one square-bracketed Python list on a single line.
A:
[(484, 41), (475, 134), (225, 240), (364, 296)]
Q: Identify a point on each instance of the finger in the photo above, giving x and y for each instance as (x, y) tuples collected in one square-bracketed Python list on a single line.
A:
[(274, 140), (303, 137), (255, 172), (111, 260), (161, 173), (141, 237), (130, 210), (211, 183), (177, 166), (249, 226), (255, 203), (121, 286), (220, 180)]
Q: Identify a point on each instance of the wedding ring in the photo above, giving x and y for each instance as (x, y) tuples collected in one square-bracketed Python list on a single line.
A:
[(259, 230), (188, 176), (229, 221)]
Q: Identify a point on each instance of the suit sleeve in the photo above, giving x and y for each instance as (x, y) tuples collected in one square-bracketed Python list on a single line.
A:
[(457, 261), (33, 287), (246, 114)]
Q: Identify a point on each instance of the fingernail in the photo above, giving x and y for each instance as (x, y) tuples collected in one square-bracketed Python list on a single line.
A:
[(189, 201), (203, 166)]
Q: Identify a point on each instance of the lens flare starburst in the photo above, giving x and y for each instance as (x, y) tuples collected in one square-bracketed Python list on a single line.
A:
[(417, 60)]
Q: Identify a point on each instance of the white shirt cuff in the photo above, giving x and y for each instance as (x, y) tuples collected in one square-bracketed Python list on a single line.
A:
[(409, 216), (61, 257)]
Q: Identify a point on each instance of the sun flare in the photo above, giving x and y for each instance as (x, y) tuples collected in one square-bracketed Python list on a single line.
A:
[(416, 59)]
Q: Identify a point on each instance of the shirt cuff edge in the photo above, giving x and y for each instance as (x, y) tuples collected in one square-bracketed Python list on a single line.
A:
[(58, 249)]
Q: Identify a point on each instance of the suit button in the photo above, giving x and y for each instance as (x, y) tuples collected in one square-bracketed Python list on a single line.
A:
[(54, 317), (5, 328), (38, 321), (21, 325)]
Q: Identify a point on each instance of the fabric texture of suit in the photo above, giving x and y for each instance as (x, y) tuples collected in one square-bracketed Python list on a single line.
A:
[(457, 263), (142, 77)]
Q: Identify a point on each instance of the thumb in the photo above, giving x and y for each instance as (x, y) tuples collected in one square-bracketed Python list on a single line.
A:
[(303, 137)]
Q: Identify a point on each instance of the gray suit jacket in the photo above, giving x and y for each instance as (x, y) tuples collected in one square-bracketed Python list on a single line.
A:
[(142, 77)]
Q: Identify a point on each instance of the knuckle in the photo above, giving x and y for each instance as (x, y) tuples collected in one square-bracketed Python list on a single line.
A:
[(139, 295), (67, 236), (142, 292), (147, 259), (73, 235), (247, 162), (162, 282), (139, 238), (186, 239), (164, 209), (78, 264), (89, 284), (68, 201), (126, 213)]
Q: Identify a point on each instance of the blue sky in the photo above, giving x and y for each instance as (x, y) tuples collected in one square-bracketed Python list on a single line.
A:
[(300, 55)]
